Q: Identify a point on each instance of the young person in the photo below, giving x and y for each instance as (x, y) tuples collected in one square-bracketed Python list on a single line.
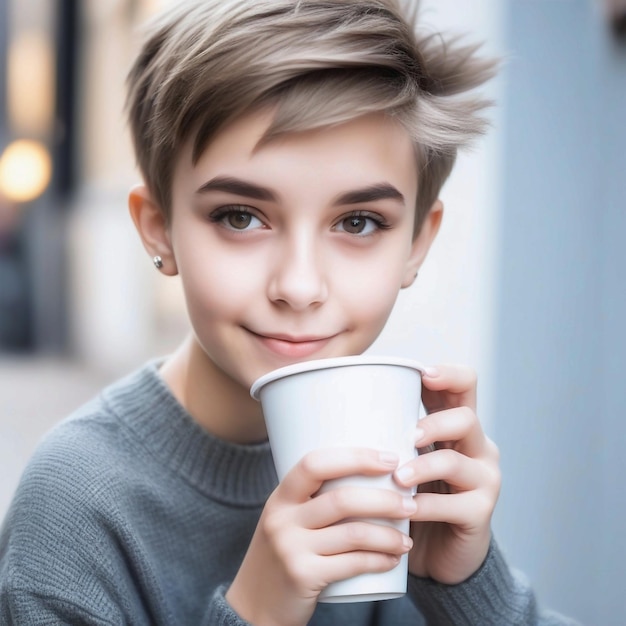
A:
[(292, 156)]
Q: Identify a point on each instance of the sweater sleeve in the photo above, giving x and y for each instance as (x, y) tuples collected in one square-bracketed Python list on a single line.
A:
[(494, 595), (67, 556), (19, 606)]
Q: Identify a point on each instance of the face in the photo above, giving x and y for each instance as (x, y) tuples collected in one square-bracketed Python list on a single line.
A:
[(295, 249)]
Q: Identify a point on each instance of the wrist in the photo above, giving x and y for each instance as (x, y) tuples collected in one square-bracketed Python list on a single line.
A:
[(261, 609)]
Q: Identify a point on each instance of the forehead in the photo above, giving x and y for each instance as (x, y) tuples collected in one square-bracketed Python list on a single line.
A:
[(369, 149)]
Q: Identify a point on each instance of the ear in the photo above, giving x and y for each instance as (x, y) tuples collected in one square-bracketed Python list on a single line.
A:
[(151, 224), (422, 242)]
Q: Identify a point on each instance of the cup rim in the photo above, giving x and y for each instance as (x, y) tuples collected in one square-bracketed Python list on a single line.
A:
[(331, 363)]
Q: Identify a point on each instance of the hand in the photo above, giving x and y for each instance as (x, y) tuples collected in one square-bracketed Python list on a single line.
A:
[(299, 546), (459, 481)]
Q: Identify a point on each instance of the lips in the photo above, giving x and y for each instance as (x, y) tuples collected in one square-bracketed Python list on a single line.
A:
[(293, 347)]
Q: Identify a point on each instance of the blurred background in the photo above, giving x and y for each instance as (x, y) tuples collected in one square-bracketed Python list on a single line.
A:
[(525, 283)]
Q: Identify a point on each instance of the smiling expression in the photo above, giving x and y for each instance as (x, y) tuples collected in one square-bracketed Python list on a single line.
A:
[(294, 249)]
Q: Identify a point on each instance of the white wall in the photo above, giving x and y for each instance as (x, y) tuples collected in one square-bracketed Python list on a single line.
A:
[(447, 315)]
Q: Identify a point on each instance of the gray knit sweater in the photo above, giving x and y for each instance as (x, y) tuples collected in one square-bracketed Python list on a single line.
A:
[(130, 513)]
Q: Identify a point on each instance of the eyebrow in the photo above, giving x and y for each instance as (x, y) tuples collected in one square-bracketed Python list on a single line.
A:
[(239, 187), (381, 191)]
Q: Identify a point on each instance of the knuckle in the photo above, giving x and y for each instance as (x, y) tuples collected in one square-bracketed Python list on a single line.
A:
[(297, 567), (493, 450), (442, 462), (483, 507), (338, 499), (309, 464), (275, 520), (496, 480), (273, 524), (356, 534), (451, 458), (469, 417), (293, 559)]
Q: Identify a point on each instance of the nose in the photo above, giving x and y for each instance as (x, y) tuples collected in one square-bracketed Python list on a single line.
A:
[(298, 279)]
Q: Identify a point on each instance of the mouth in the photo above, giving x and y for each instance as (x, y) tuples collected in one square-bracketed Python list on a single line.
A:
[(292, 346)]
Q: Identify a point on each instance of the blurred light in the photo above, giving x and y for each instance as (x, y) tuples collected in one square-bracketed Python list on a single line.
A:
[(25, 170), (30, 93)]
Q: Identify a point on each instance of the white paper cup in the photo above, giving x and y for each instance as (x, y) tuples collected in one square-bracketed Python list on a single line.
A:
[(355, 401)]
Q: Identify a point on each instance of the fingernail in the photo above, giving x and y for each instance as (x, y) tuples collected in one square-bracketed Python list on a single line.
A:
[(407, 542), (408, 504), (431, 372), (404, 473), (419, 434), (389, 458)]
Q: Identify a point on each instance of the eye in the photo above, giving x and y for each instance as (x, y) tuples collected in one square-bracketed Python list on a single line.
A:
[(360, 224), (236, 218)]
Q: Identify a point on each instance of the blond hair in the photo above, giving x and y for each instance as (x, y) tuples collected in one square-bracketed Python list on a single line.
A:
[(317, 62)]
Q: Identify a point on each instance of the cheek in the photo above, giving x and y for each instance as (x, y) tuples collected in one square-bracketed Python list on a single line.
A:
[(218, 290), (211, 286), (370, 291)]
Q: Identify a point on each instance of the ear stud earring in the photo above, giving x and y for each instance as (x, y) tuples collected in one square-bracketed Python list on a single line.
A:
[(158, 262)]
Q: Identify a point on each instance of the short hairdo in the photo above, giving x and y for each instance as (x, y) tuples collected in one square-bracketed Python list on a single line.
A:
[(205, 63)]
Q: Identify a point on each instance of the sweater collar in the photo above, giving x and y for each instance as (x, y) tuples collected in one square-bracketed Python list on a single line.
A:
[(235, 474)]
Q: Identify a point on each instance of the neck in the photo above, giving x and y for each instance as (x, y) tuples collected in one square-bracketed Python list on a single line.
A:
[(218, 403)]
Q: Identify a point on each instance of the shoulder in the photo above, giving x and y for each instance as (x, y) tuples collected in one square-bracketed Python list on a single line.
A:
[(85, 456), (63, 482), (64, 478), (57, 538), (79, 451)]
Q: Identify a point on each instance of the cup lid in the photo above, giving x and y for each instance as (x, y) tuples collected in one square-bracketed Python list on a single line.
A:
[(319, 364)]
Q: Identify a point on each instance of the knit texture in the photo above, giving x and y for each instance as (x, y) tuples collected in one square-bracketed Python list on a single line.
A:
[(130, 513)]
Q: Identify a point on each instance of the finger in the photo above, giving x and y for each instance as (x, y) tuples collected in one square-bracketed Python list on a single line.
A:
[(468, 510), (460, 427), (361, 536), (447, 386), (458, 471), (319, 466), (343, 503), (348, 564)]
